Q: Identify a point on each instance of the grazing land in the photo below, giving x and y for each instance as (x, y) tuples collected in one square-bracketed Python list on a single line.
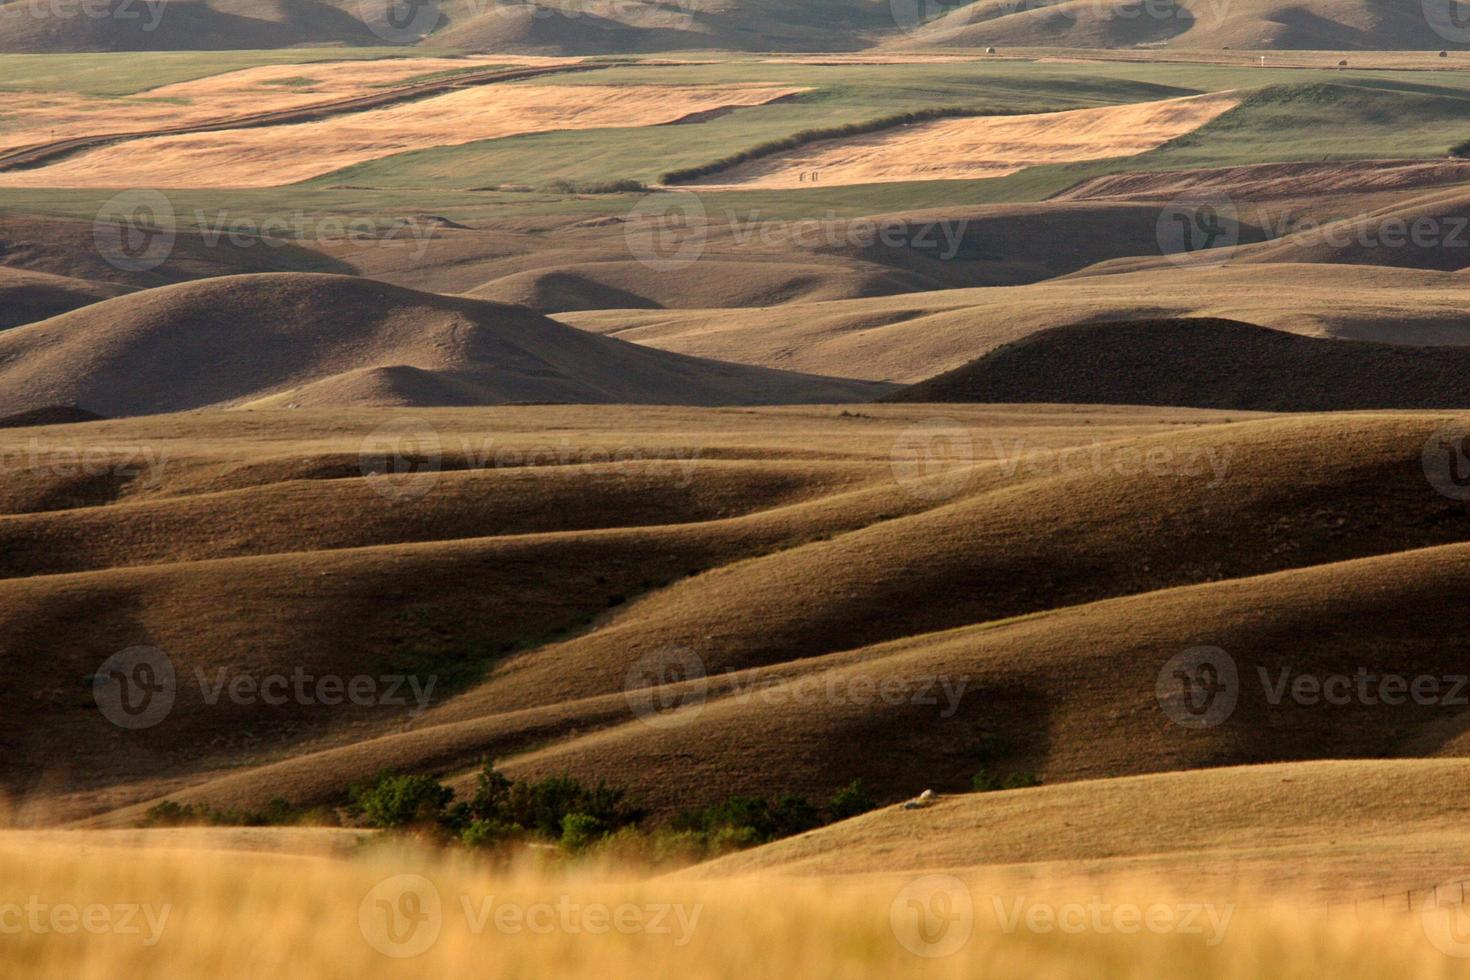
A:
[(715, 489)]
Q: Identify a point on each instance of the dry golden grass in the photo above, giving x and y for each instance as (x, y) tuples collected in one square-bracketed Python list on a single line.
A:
[(37, 117), (1333, 831), (977, 147), (915, 336), (1057, 595), (391, 913), (276, 155)]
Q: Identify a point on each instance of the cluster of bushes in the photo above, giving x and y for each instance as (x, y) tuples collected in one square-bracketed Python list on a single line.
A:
[(1461, 150), (796, 140), (987, 782), (582, 818), (501, 810), (277, 813), (745, 821), (625, 186)]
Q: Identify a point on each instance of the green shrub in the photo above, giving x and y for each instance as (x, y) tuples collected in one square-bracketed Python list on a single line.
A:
[(277, 813), (578, 830), (986, 782), (399, 801), (849, 801), (624, 186), (487, 834), (1461, 150)]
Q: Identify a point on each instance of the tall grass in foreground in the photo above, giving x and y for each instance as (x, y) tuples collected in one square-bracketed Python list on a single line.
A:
[(389, 913)]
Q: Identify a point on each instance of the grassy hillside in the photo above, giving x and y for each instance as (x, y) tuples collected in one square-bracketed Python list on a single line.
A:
[(1207, 364)]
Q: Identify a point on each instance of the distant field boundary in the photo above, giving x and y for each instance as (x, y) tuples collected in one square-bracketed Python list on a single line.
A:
[(806, 136)]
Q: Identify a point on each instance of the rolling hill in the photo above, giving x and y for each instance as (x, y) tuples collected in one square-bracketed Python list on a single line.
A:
[(1048, 596), (1323, 25), (915, 336), (1206, 364), (1334, 832), (605, 27), (317, 339)]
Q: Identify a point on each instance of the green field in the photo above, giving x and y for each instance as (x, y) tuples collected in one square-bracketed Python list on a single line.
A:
[(129, 72), (1290, 115), (838, 95), (1302, 115)]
